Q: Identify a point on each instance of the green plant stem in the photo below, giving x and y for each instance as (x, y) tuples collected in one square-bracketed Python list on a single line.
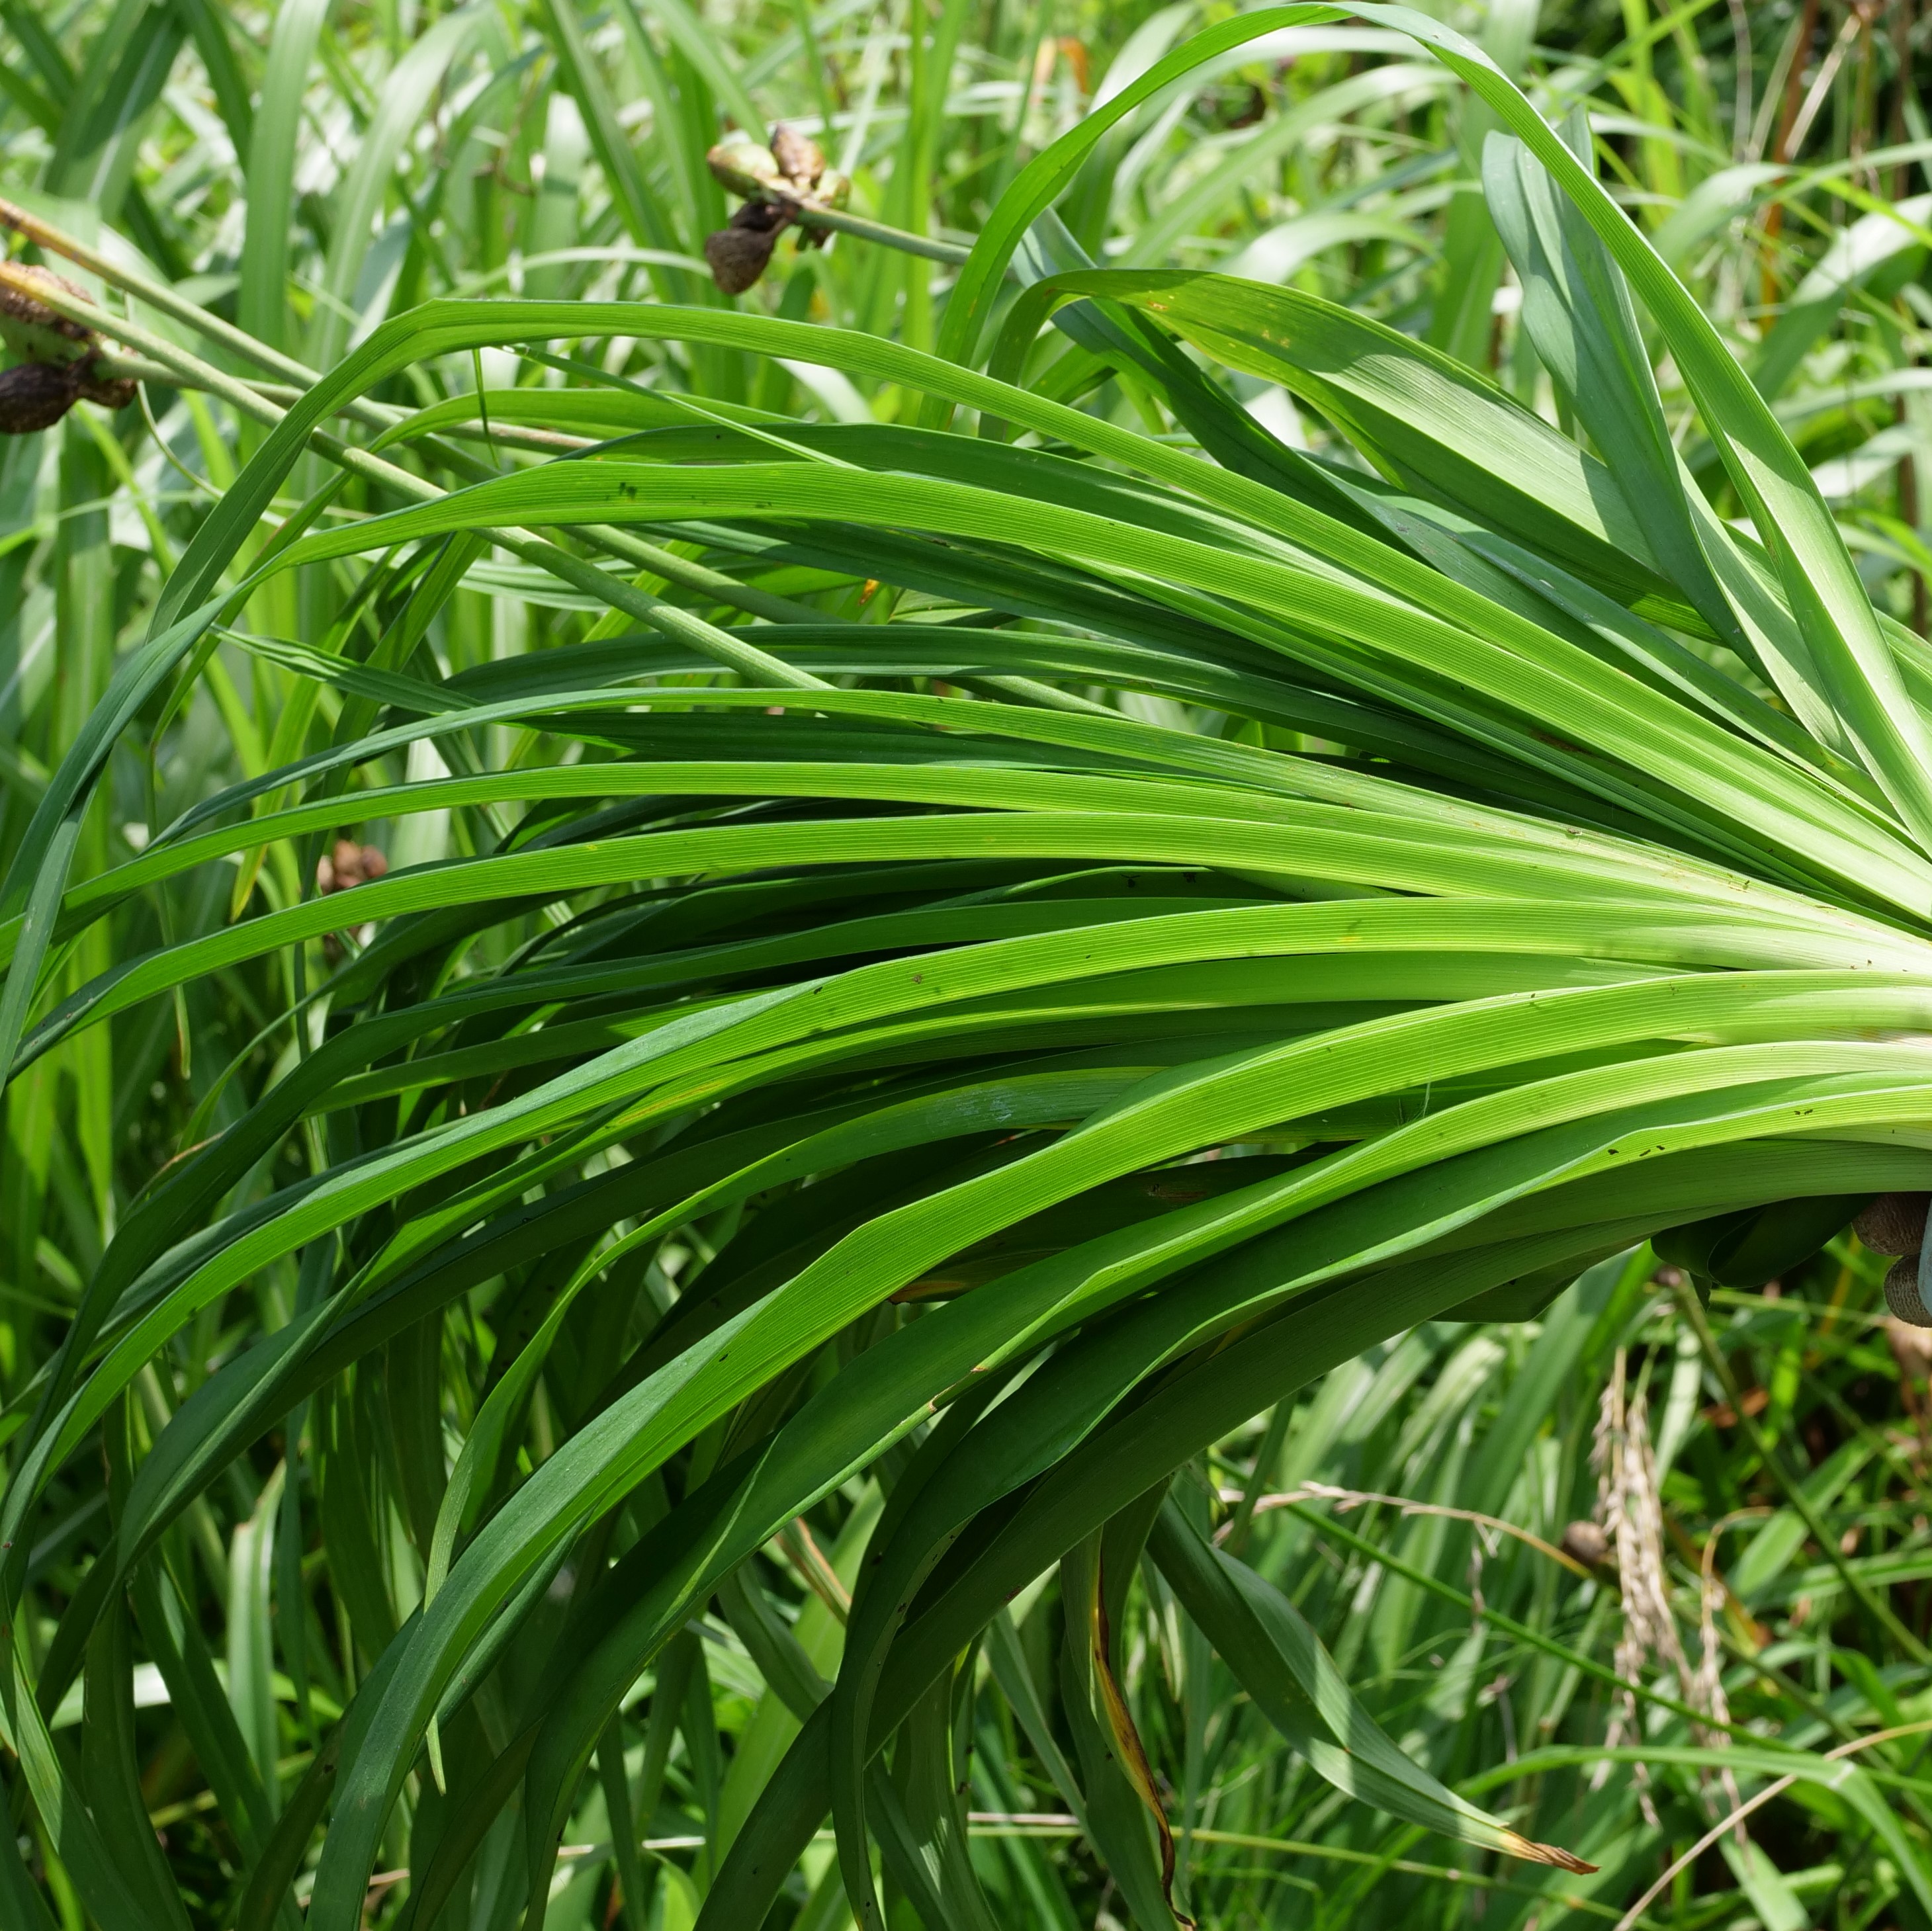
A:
[(1266, 1456), (698, 578), (168, 363), (1240, 1840), (1788, 1484), (862, 229), (722, 646), (1522, 1632), (1819, 1712), (385, 415), (44, 235), (633, 549)]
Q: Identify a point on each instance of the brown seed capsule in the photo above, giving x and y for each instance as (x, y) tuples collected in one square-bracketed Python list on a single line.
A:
[(743, 166), (109, 392), (799, 157), (18, 304), (1901, 1293), (738, 257), (349, 864), (738, 254), (1895, 1223), (34, 395), (1586, 1543)]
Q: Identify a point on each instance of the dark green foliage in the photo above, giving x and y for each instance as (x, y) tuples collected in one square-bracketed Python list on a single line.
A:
[(858, 1099)]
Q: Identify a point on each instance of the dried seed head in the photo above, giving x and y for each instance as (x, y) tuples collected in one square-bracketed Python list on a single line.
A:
[(1895, 1223), (34, 395), (1586, 1543), (799, 157), (1901, 1293)]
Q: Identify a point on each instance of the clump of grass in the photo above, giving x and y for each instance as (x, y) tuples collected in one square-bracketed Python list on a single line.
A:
[(1056, 861)]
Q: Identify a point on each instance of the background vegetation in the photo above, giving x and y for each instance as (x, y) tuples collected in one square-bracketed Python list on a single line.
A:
[(1604, 1572)]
